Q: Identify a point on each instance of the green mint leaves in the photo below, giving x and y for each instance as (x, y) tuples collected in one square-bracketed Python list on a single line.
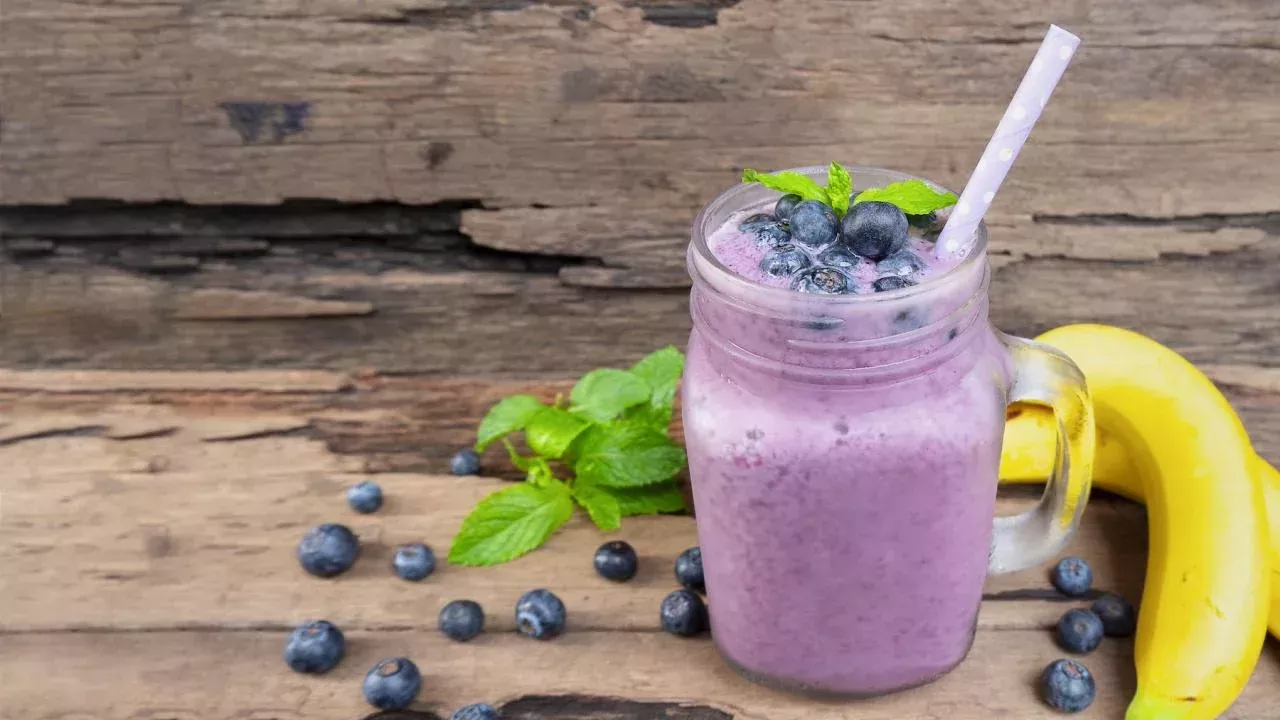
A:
[(913, 197), (612, 435), (839, 188)]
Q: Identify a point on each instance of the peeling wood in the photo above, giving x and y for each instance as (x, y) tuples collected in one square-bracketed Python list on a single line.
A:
[(99, 381)]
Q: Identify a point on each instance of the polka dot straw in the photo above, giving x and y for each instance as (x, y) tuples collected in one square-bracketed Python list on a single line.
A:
[(1033, 93)]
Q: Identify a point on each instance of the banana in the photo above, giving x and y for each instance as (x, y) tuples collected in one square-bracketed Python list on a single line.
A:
[(1206, 595), (1029, 448)]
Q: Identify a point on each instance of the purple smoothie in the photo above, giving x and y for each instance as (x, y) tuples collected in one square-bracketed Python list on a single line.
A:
[(843, 452)]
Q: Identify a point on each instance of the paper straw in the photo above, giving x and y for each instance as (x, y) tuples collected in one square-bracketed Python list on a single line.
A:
[(1024, 110)]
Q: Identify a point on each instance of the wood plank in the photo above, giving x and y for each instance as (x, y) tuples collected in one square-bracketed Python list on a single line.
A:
[(224, 675)]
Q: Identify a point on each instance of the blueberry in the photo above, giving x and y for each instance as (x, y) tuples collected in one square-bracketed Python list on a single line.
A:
[(1119, 619), (901, 264), (478, 711), (540, 614), (1080, 631), (814, 224), (783, 261), (821, 281), (786, 205), (314, 647), (1072, 576), (683, 613), (924, 222), (616, 561), (365, 497), (874, 229), (839, 256), (465, 462), (327, 550), (893, 282), (461, 620), (767, 230), (1067, 685), (414, 561), (689, 570), (392, 684)]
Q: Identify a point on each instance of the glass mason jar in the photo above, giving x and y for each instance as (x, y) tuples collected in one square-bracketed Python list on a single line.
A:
[(843, 452)]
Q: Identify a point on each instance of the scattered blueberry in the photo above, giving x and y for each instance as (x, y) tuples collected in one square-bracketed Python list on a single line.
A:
[(327, 550), (839, 256), (365, 497), (814, 224), (478, 711), (1067, 685), (1080, 631), (616, 561), (893, 282), (786, 205), (1072, 576), (414, 561), (683, 613), (767, 230), (821, 281), (314, 647), (461, 620), (874, 229), (903, 263), (689, 570), (783, 261), (1119, 619), (540, 614), (392, 684), (465, 462)]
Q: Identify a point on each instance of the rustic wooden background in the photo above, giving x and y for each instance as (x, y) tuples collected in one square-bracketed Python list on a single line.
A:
[(315, 238)]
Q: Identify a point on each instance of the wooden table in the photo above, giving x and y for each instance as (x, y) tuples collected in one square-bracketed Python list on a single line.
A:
[(148, 533)]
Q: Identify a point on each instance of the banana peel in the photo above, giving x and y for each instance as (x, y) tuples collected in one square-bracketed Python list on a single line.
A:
[(1029, 437), (1168, 437)]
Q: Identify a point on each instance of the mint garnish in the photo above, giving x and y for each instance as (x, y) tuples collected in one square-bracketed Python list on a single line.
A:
[(913, 197), (835, 194), (612, 435), (839, 188)]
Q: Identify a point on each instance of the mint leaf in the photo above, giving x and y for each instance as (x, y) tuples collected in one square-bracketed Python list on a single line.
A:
[(913, 197), (649, 500), (787, 181), (552, 430), (839, 188), (600, 505), (510, 523), (657, 417), (603, 394), (508, 416), (662, 371), (626, 454)]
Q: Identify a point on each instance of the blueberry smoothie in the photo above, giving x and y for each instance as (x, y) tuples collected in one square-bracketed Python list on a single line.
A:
[(844, 402)]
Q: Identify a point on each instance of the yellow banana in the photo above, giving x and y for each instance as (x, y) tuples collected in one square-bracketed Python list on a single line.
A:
[(1029, 449), (1205, 600)]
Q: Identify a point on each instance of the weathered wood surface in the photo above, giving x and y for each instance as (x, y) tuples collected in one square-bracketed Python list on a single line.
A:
[(148, 534)]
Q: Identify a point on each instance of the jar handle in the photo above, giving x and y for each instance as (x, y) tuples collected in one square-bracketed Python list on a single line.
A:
[(1042, 375)]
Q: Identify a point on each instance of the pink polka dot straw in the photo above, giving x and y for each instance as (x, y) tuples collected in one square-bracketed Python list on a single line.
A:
[(1032, 95)]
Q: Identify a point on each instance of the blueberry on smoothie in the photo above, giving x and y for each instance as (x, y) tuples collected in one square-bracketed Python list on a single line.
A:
[(689, 570), (392, 684), (327, 550), (839, 256), (1067, 685), (875, 230), (784, 261), (1080, 631), (1072, 576), (314, 647), (616, 561), (766, 229), (901, 264), (924, 222), (461, 620), (893, 282), (821, 281), (414, 561), (365, 497), (1119, 619), (683, 613), (814, 224), (786, 204), (540, 614)]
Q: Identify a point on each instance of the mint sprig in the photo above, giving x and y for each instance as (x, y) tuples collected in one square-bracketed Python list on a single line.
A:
[(839, 188), (612, 435), (836, 194), (913, 197)]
